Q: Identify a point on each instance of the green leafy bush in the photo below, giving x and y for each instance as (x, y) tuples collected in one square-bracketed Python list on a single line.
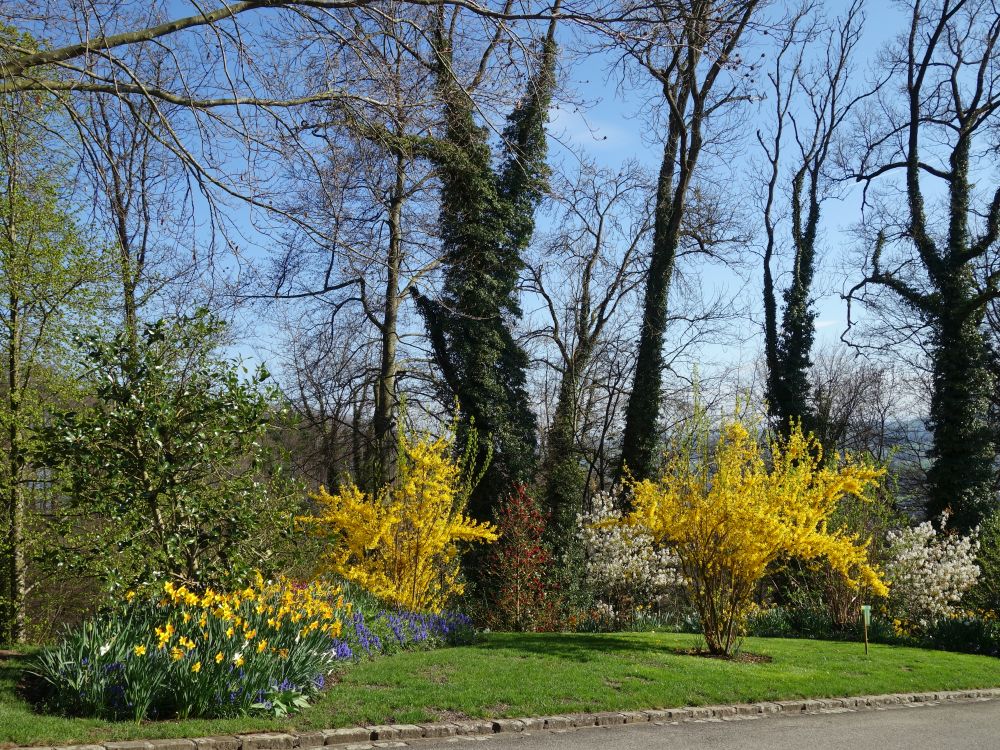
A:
[(971, 633), (985, 595), (166, 473)]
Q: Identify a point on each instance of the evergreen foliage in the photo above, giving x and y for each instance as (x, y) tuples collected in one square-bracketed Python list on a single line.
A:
[(789, 349), (964, 450), (486, 221)]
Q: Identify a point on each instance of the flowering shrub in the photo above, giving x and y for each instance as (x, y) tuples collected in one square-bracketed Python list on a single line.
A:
[(929, 572), (403, 543), (521, 595), (623, 568), (730, 516), (265, 649)]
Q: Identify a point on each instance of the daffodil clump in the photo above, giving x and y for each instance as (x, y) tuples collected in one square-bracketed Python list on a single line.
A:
[(267, 648)]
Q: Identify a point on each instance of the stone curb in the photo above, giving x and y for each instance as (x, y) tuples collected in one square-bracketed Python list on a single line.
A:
[(393, 735)]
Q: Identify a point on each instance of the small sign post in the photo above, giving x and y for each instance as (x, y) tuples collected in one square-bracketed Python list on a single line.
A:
[(866, 613)]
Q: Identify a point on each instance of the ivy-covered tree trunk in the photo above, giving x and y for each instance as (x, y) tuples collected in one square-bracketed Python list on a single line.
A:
[(964, 446), (486, 221), (810, 101), (940, 131), (788, 349), (564, 478), (698, 42), (640, 438)]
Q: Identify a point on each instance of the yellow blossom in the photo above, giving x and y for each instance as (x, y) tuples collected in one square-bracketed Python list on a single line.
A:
[(219, 657), (139, 650), (402, 544), (196, 667), (730, 515)]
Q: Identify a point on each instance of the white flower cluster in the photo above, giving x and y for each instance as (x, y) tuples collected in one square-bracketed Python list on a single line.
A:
[(929, 571), (621, 563)]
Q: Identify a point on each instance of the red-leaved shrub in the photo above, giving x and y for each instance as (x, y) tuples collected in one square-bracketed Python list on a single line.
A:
[(521, 596)]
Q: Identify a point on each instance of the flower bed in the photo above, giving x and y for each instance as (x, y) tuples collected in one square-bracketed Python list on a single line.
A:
[(266, 649)]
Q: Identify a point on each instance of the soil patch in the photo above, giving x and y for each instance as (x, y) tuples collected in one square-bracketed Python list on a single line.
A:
[(743, 657)]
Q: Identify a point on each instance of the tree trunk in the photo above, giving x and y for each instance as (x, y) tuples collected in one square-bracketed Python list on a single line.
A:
[(565, 479), (961, 478), (14, 617), (639, 441), (385, 386)]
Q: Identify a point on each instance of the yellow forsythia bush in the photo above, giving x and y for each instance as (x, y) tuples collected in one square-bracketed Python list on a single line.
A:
[(402, 544), (731, 513)]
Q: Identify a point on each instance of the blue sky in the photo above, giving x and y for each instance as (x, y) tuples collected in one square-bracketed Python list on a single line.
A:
[(612, 129)]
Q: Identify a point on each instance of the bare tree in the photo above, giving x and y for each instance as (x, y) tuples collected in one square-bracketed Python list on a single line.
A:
[(585, 274)]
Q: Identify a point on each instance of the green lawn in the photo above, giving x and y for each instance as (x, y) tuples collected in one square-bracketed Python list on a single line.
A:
[(539, 674)]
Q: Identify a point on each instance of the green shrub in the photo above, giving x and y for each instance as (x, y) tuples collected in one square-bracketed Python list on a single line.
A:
[(985, 595), (970, 633), (166, 473)]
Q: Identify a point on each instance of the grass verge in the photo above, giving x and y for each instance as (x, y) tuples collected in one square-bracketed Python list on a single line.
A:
[(538, 674)]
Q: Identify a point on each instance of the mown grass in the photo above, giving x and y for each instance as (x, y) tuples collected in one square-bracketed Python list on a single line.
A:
[(537, 674)]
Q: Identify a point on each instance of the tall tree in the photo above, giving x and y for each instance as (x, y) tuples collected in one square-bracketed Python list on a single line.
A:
[(586, 272), (933, 142), (486, 222), (141, 203), (364, 186), (810, 106), (686, 47), (47, 277)]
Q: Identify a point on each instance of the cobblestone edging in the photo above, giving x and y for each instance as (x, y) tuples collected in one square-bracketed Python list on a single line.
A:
[(394, 735)]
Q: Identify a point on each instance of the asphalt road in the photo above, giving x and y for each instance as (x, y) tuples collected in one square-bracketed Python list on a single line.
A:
[(975, 726)]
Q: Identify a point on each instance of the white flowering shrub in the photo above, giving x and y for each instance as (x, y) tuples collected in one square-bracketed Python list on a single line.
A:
[(929, 571), (622, 566)]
